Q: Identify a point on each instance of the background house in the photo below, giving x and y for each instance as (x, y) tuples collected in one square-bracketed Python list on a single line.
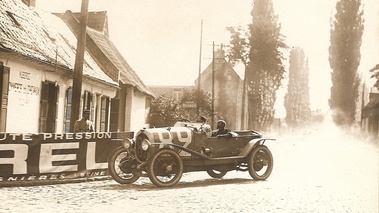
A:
[(173, 92), (227, 87), (370, 116)]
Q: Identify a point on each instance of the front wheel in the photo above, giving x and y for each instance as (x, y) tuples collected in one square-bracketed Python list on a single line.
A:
[(165, 168), (121, 166), (216, 173), (260, 163)]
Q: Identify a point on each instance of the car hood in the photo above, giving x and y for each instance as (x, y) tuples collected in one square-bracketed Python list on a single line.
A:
[(168, 134)]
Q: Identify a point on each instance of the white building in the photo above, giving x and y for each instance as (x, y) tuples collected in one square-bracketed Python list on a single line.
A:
[(37, 57)]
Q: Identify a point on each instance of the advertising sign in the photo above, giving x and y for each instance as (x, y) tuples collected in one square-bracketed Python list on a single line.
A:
[(51, 156), (24, 96)]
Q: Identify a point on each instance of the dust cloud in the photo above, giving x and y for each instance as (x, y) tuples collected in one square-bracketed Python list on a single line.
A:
[(329, 158)]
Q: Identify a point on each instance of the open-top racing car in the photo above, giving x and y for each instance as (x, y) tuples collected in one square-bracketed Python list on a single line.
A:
[(164, 154)]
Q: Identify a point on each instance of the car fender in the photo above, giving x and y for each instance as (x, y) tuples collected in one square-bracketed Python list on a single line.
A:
[(251, 145)]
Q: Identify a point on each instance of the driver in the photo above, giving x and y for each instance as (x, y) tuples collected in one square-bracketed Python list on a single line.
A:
[(221, 130), (204, 127)]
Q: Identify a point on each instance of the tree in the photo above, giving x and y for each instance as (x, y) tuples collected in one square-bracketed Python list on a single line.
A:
[(296, 101), (204, 102), (163, 112), (344, 58), (264, 68), (166, 111), (239, 53)]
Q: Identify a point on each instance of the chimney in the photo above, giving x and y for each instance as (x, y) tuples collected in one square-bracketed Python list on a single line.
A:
[(30, 3), (220, 54)]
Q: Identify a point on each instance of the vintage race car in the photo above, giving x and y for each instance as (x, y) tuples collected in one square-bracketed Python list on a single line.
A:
[(164, 154)]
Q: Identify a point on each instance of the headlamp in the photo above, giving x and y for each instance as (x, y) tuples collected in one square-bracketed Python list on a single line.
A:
[(145, 145), (127, 143)]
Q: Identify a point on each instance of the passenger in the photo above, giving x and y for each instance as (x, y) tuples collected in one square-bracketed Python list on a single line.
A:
[(221, 130), (204, 127), (84, 124)]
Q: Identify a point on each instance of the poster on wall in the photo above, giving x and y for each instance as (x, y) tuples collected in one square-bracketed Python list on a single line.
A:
[(24, 96)]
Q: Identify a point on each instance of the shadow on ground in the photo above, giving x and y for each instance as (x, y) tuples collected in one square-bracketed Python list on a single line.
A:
[(183, 184)]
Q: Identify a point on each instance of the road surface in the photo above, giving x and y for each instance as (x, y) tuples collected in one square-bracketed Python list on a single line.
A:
[(312, 173)]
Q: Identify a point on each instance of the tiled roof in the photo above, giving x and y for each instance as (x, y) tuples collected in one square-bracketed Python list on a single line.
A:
[(127, 74), (40, 35), (96, 20)]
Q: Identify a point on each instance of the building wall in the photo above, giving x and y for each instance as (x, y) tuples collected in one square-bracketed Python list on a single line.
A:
[(24, 96), (227, 89), (138, 117)]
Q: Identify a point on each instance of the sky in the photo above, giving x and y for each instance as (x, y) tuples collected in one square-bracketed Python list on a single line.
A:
[(161, 39)]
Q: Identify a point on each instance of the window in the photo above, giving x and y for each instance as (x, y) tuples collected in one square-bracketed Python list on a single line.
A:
[(104, 114), (4, 82), (177, 93), (67, 114), (13, 17), (114, 115), (87, 100), (89, 104)]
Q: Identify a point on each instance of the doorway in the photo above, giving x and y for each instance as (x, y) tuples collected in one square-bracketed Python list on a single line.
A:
[(48, 108)]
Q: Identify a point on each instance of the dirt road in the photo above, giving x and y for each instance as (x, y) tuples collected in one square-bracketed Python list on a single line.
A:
[(312, 173)]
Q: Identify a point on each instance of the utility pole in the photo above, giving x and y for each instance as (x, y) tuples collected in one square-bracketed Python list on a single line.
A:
[(363, 102), (213, 84), (78, 69), (243, 126), (199, 78)]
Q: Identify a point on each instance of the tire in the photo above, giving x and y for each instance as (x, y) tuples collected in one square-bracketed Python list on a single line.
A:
[(165, 168), (215, 173), (121, 166), (260, 163)]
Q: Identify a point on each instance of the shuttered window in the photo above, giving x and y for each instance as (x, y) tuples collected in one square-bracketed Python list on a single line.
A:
[(115, 106), (67, 114), (4, 88), (88, 101), (104, 114), (48, 107)]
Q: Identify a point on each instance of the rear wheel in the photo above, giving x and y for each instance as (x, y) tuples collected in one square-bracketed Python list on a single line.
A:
[(165, 168), (121, 166), (216, 173), (260, 163)]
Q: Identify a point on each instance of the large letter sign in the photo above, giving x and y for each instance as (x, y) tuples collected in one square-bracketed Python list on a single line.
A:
[(91, 160), (19, 157), (49, 156)]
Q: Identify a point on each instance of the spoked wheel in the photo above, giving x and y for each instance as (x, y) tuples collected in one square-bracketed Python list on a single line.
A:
[(216, 173), (121, 166), (165, 168), (260, 163)]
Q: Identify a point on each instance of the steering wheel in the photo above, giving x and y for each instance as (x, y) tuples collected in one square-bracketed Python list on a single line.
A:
[(185, 120)]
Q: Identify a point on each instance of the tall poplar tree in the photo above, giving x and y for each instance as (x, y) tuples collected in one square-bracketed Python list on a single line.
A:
[(258, 48), (265, 70), (344, 58), (296, 101)]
